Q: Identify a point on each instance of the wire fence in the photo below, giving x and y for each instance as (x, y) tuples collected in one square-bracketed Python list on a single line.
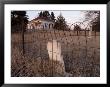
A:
[(74, 53)]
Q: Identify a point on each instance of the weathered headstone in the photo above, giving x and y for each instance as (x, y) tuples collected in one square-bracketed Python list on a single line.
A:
[(54, 51)]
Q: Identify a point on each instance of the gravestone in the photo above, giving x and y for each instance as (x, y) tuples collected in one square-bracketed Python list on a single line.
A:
[(54, 51)]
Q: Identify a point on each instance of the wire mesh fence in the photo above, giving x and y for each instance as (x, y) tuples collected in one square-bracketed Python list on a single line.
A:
[(73, 53)]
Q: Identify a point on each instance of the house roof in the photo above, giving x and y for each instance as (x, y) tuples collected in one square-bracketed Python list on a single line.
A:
[(42, 18)]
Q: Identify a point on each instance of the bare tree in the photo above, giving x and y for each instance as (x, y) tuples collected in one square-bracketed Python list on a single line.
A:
[(94, 18)]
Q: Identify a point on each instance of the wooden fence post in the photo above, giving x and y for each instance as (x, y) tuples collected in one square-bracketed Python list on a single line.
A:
[(23, 37)]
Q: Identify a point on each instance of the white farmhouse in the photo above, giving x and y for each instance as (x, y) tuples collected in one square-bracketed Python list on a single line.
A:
[(40, 23)]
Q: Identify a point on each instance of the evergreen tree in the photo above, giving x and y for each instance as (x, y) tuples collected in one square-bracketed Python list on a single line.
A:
[(17, 19), (96, 24), (41, 14), (60, 23), (46, 14), (52, 16)]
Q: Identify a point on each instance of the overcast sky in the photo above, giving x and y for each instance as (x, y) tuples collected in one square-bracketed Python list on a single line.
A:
[(70, 16)]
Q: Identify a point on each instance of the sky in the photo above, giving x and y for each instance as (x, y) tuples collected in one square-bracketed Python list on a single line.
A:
[(70, 16)]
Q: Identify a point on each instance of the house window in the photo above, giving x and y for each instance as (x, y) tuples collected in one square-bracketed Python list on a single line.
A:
[(50, 25), (42, 26), (45, 25)]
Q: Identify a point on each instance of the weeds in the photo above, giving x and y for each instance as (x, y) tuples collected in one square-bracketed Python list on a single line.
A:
[(80, 58)]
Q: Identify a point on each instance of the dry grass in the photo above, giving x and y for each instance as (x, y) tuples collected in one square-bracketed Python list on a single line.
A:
[(25, 66), (81, 54)]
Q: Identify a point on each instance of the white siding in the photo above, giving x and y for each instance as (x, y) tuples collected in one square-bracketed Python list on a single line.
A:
[(44, 25)]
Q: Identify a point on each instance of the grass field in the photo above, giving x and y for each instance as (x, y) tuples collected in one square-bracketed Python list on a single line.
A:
[(81, 54)]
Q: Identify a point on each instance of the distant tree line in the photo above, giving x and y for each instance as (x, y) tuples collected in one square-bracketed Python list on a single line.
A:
[(19, 18)]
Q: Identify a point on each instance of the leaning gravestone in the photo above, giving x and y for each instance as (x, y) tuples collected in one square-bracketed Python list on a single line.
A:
[(54, 51)]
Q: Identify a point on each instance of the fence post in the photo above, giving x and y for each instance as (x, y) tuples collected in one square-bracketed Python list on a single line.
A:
[(77, 32), (95, 33), (90, 32), (85, 31), (23, 36)]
